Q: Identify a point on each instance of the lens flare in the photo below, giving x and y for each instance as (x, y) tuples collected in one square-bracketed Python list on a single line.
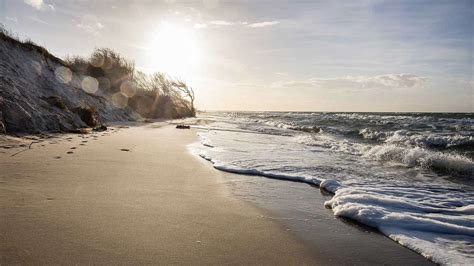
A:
[(63, 74), (97, 61), (128, 88), (120, 100), (90, 84)]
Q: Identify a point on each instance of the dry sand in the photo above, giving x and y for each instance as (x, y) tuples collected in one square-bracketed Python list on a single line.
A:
[(132, 196)]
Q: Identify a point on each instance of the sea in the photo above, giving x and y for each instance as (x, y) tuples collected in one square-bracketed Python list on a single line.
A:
[(408, 175)]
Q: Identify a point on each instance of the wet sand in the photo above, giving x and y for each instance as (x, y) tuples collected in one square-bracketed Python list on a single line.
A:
[(334, 241), (136, 195)]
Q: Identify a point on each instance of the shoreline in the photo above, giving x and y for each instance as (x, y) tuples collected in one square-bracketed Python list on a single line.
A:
[(129, 195), (333, 240)]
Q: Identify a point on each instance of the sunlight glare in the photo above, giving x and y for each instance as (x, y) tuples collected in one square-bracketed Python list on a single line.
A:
[(174, 50)]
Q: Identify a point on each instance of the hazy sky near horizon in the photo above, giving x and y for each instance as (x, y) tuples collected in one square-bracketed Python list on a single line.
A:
[(276, 55)]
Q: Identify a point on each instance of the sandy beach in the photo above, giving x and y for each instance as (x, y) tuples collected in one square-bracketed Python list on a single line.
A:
[(136, 195), (133, 196)]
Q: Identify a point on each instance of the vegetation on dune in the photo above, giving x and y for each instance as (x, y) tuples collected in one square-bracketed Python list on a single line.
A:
[(152, 96), (9, 36), (105, 77)]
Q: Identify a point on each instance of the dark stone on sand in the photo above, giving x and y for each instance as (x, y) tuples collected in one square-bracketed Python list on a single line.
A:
[(88, 115), (182, 126), (56, 101), (100, 128)]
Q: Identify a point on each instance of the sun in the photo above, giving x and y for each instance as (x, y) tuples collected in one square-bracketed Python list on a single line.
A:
[(174, 50)]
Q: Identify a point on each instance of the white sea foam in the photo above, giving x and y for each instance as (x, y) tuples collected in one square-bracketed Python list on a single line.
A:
[(332, 143), (418, 227), (368, 133), (391, 153), (205, 140), (330, 185), (422, 157), (429, 139)]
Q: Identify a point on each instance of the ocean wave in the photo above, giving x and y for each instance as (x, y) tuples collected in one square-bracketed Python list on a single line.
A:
[(430, 140), (362, 116), (290, 126), (422, 228), (427, 140), (308, 129), (371, 134), (392, 153), (274, 123), (411, 157), (330, 142)]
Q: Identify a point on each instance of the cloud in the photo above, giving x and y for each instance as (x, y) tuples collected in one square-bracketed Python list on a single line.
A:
[(386, 81), (90, 24), (221, 23), (39, 4), (218, 23), (12, 19), (35, 19), (263, 24)]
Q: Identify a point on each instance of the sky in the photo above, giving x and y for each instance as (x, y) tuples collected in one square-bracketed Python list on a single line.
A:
[(370, 56)]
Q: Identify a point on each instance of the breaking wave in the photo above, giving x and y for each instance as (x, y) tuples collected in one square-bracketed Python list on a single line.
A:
[(433, 160), (391, 153)]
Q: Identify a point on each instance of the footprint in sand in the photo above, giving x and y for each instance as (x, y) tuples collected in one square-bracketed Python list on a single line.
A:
[(84, 141), (69, 152), (125, 149), (82, 144), (73, 148), (57, 157)]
